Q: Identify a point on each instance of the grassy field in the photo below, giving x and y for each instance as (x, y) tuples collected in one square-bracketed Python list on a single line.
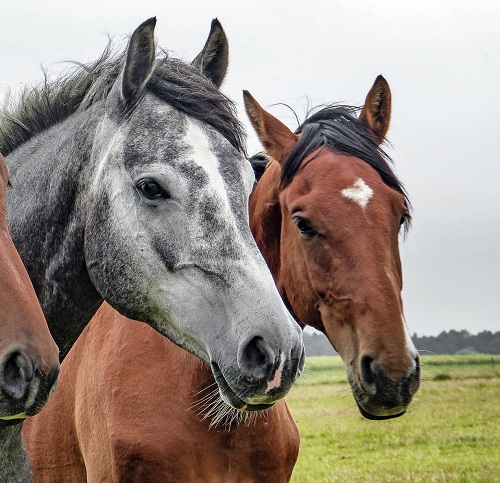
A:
[(451, 432)]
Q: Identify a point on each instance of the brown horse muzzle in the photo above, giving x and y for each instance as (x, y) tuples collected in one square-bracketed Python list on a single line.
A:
[(24, 388), (380, 397)]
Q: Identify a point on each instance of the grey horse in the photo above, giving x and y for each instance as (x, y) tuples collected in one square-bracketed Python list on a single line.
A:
[(130, 185)]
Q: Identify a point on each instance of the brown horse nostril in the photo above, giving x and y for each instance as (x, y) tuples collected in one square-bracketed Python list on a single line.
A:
[(417, 367), (368, 374), (16, 371), (257, 359), (414, 379)]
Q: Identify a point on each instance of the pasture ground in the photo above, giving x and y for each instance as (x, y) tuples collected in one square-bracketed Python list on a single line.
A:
[(451, 432)]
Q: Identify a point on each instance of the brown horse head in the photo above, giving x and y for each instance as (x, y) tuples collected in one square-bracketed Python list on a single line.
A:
[(29, 358), (326, 214)]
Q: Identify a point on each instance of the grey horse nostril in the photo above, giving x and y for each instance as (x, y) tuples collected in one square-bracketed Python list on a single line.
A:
[(257, 359), (16, 372)]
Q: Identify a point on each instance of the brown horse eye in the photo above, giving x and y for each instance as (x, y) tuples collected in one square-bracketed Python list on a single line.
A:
[(304, 227)]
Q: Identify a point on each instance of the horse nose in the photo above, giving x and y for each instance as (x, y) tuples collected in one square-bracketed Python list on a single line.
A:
[(368, 375), (257, 359), (260, 362), (375, 382), (20, 377), (16, 370)]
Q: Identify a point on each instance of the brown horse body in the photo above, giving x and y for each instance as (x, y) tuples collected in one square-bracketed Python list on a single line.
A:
[(29, 358), (127, 412), (331, 242)]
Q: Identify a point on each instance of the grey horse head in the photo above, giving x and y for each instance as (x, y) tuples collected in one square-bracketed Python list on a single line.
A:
[(159, 204)]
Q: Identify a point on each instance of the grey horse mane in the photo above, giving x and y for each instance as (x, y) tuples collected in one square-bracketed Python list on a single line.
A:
[(179, 84)]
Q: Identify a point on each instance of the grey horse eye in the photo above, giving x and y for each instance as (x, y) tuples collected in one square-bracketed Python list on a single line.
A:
[(150, 189)]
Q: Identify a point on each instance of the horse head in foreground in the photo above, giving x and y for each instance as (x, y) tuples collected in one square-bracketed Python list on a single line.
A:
[(145, 205), (329, 192), (29, 358)]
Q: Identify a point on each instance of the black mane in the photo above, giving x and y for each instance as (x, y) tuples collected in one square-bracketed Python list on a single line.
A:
[(259, 164), (173, 81)]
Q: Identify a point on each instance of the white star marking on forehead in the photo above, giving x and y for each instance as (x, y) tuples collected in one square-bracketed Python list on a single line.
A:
[(359, 192)]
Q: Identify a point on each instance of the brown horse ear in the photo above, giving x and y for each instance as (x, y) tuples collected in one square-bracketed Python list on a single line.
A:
[(140, 61), (276, 138), (376, 112), (213, 60)]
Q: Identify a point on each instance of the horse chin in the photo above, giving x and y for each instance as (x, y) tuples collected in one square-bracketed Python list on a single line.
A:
[(15, 411), (382, 414), (11, 421), (240, 405), (230, 397)]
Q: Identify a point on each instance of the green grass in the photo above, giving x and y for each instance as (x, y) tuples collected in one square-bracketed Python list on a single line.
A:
[(451, 432)]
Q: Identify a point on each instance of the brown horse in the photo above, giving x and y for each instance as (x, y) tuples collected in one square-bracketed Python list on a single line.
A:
[(110, 421), (29, 358), (326, 214), (129, 412)]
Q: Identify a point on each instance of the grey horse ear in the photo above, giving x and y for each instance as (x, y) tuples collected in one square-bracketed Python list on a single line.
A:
[(140, 61), (213, 60)]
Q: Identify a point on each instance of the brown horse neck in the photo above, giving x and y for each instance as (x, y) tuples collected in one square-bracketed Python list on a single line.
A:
[(265, 217)]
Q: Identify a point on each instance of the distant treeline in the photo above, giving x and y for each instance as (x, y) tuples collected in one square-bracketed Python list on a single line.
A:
[(459, 342), (451, 342)]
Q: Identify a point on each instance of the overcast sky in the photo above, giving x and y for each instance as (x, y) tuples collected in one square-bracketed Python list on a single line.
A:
[(441, 59)]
